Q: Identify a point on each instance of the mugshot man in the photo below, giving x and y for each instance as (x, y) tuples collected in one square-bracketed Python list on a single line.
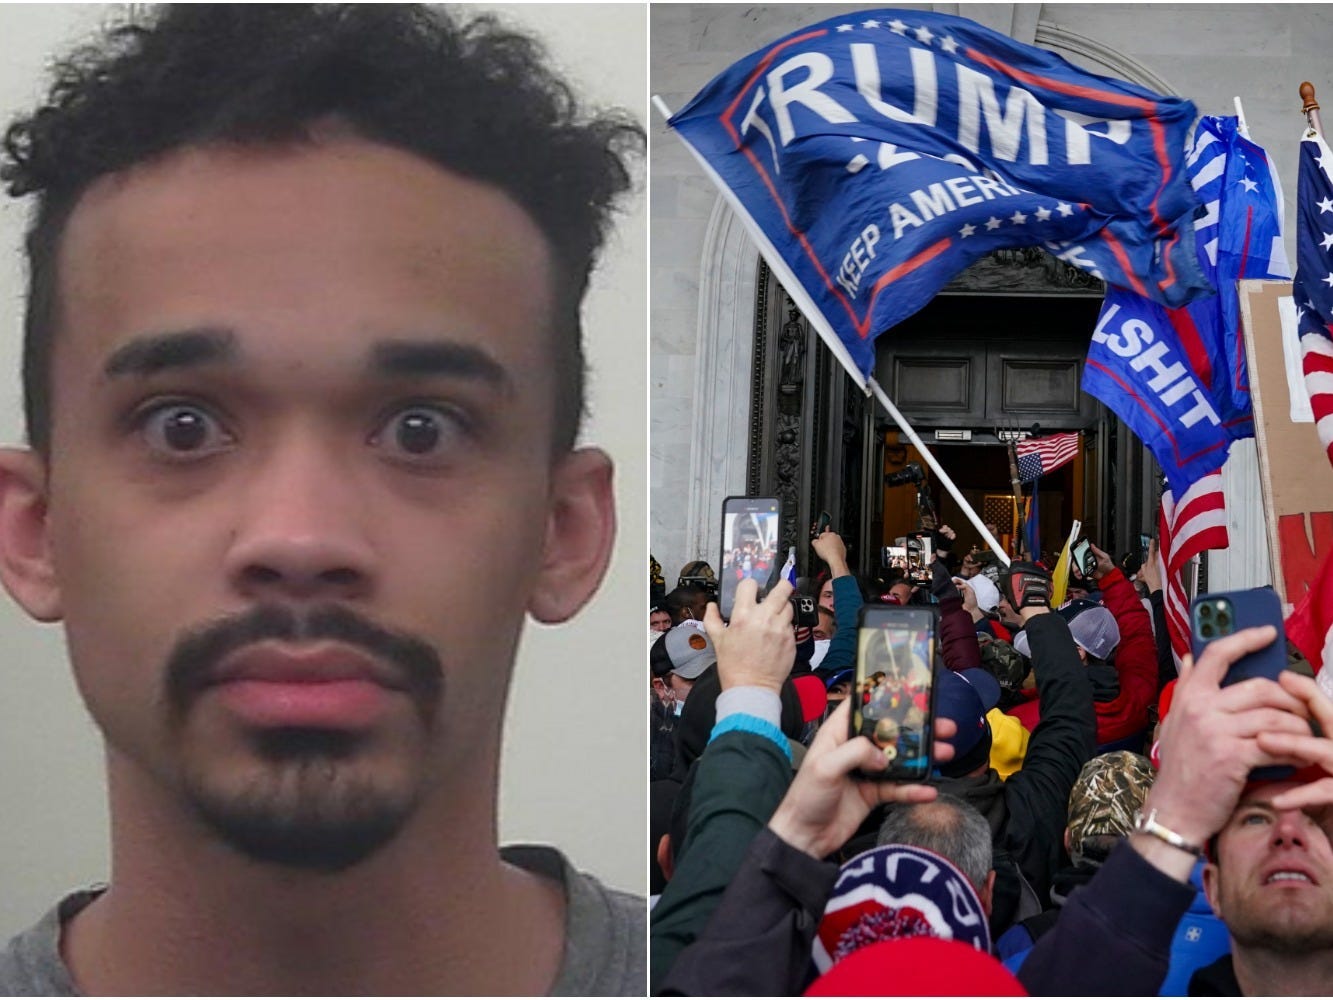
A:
[(302, 387)]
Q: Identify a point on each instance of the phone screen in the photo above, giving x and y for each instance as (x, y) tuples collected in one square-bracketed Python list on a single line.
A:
[(1080, 556), (750, 528), (892, 700)]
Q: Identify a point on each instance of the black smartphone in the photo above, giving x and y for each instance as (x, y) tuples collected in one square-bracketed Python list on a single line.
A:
[(750, 528), (823, 522), (805, 612), (1144, 542), (1214, 616), (893, 694), (1083, 559)]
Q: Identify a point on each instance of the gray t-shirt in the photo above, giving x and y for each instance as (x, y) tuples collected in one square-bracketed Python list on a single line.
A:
[(605, 937)]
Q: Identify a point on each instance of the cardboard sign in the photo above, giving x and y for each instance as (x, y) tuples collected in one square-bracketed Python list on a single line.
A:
[(1296, 478)]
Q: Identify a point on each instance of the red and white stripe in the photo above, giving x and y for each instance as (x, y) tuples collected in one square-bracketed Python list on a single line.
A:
[(1055, 450), (1317, 364), (1197, 523)]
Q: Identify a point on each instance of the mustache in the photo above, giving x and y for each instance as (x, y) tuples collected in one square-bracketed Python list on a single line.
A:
[(197, 653)]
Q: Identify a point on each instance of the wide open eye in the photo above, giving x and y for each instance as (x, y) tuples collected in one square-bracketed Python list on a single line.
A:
[(421, 434), (182, 430)]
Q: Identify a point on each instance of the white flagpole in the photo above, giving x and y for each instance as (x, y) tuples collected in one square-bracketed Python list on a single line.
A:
[(822, 326), (1242, 127)]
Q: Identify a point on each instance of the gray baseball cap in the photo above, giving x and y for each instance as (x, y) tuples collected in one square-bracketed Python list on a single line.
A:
[(689, 649), (1092, 626)]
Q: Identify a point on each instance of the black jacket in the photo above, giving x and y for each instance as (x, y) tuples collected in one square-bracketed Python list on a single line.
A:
[(1216, 980), (1027, 813)]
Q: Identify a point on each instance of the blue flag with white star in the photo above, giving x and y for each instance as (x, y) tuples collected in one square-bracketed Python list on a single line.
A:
[(875, 156), (1178, 377)]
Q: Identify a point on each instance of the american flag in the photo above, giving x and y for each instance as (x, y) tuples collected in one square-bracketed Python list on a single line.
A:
[(1038, 456), (1309, 623), (1313, 288), (1197, 522)]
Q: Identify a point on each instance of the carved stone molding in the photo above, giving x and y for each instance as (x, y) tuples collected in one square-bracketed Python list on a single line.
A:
[(1025, 271), (1050, 35), (724, 347)]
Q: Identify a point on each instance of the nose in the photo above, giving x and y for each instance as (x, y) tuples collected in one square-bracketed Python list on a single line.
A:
[(1291, 829), (301, 527)]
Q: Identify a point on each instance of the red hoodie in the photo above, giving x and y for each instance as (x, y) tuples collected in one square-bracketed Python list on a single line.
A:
[(1135, 664)]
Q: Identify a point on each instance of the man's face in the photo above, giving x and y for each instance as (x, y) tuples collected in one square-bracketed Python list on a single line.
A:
[(826, 594), (902, 591), (301, 489), (1273, 881), (679, 686), (659, 621)]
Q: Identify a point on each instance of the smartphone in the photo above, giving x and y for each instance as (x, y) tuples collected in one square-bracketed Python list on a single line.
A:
[(823, 522), (805, 613), (920, 555), (1213, 616), (1083, 558), (750, 529), (893, 692), (1145, 541)]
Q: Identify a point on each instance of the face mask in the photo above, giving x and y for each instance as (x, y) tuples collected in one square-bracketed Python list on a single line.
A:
[(821, 650)]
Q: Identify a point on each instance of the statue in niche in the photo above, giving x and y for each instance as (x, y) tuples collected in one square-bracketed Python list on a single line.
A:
[(791, 352)]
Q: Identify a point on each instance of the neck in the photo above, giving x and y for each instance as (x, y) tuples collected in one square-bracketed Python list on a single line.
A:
[(1261, 972), (187, 914)]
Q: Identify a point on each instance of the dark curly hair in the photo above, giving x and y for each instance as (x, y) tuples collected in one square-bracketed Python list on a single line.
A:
[(471, 96)]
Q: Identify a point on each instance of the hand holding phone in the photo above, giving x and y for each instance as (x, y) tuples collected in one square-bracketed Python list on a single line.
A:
[(821, 524), (893, 701), (1216, 616), (822, 808), (758, 648)]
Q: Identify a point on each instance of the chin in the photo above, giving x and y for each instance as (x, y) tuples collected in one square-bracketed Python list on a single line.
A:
[(310, 801)]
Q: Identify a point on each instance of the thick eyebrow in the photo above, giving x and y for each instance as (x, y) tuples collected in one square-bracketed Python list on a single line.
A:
[(149, 355), (416, 358)]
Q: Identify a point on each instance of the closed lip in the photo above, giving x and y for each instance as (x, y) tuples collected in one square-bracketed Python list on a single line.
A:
[(319, 663)]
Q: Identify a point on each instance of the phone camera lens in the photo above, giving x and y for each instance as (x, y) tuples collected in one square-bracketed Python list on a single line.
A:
[(1223, 619), (1205, 611), (1207, 631)]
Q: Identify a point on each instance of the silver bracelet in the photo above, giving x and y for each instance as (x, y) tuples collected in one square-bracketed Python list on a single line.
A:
[(1149, 825)]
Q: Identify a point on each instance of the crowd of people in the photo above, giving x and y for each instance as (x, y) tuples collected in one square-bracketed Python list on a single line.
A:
[(1090, 825)]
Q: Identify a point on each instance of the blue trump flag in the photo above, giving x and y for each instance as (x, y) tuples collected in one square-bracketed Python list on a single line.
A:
[(876, 155), (1178, 377)]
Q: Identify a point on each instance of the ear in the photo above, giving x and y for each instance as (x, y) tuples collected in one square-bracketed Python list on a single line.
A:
[(26, 567), (1211, 875), (665, 861), (987, 894), (580, 529)]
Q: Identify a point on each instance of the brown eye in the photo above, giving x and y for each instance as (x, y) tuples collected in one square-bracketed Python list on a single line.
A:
[(182, 430), (420, 434)]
